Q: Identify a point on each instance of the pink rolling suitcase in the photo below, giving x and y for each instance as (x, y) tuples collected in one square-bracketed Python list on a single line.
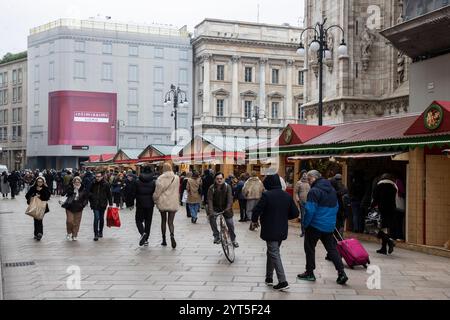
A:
[(353, 252)]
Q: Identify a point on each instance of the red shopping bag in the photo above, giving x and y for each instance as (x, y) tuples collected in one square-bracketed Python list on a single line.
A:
[(113, 218)]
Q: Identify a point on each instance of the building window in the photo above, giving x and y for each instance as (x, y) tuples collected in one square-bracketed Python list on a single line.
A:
[(158, 75), (107, 71), (133, 75), (51, 70), (183, 76), (19, 94), (51, 47), (4, 96), (301, 112), (275, 110), (80, 46), (14, 99), (220, 72), (133, 97), (14, 77), (184, 55), (20, 75), (356, 70), (220, 108), (158, 98), (4, 134), (17, 115), (133, 51), (133, 119), (17, 133), (202, 75), (79, 72), (3, 117), (36, 118), (248, 110), (157, 119), (248, 74), (275, 76), (107, 48), (36, 96), (37, 51), (3, 79), (301, 78), (36, 73), (159, 53)]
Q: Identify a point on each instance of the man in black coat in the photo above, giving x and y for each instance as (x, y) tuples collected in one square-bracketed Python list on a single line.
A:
[(145, 187), (99, 198), (13, 180), (275, 208), (207, 182)]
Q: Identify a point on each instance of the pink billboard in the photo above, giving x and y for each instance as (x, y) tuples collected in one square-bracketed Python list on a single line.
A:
[(81, 118)]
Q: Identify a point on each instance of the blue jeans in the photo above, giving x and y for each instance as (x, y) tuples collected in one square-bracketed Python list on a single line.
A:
[(194, 208), (99, 221)]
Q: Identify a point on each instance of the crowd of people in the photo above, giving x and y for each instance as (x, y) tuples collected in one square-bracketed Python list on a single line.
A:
[(322, 205)]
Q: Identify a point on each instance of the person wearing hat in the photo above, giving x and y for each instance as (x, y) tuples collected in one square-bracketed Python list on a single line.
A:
[(301, 190), (41, 190), (77, 199)]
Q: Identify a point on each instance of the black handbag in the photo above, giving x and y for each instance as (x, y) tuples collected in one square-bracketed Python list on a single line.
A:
[(68, 202)]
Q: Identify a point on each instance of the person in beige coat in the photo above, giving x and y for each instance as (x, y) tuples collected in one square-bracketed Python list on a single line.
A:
[(194, 199), (301, 190), (252, 190), (167, 200)]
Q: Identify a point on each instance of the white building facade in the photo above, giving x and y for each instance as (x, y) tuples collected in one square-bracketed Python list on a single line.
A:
[(240, 66), (135, 65)]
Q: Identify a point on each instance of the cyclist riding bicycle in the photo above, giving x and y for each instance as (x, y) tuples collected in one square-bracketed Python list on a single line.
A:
[(220, 199)]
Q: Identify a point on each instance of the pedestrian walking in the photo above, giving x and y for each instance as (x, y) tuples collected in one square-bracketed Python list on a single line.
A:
[(116, 189), (356, 193), (41, 190), (13, 180), (77, 199), (320, 223), (99, 198), (167, 200), (129, 191), (384, 196), (207, 182), (241, 198), (4, 185), (145, 187), (301, 190), (184, 197), (252, 190), (194, 190), (275, 208), (220, 199), (28, 179)]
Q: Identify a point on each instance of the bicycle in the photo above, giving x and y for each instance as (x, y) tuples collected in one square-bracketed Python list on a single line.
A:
[(225, 238)]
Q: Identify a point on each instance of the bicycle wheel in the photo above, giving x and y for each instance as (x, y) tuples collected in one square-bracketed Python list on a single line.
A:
[(227, 244)]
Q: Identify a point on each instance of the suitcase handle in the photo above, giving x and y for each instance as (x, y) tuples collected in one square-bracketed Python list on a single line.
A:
[(337, 232)]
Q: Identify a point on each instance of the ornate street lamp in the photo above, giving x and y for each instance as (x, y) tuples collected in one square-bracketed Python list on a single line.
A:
[(319, 46), (256, 115), (176, 98)]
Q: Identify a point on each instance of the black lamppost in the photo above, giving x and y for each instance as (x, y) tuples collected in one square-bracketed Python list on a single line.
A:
[(176, 98), (320, 46), (117, 125), (256, 115)]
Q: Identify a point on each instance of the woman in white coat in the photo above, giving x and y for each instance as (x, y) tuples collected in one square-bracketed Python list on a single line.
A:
[(167, 200)]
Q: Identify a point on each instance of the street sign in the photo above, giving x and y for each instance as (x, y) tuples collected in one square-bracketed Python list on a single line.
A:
[(85, 148)]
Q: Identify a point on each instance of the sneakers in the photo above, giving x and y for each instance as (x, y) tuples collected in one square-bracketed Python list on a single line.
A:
[(146, 243), (382, 251), (74, 239), (39, 237), (307, 277), (143, 239), (68, 237), (235, 244), (96, 238), (269, 282), (217, 241), (100, 235), (173, 242), (281, 286), (391, 245), (342, 278)]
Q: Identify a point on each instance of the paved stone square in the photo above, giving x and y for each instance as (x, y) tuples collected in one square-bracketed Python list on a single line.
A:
[(117, 268)]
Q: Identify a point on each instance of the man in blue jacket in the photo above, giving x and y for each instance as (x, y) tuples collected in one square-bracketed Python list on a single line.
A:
[(320, 222)]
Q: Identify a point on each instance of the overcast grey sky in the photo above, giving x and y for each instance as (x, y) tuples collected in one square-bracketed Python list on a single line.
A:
[(17, 17)]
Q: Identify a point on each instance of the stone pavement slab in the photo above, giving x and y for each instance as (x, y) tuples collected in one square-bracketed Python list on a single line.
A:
[(117, 268)]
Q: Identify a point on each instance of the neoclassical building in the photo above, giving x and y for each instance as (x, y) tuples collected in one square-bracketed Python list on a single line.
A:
[(373, 79), (240, 66)]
